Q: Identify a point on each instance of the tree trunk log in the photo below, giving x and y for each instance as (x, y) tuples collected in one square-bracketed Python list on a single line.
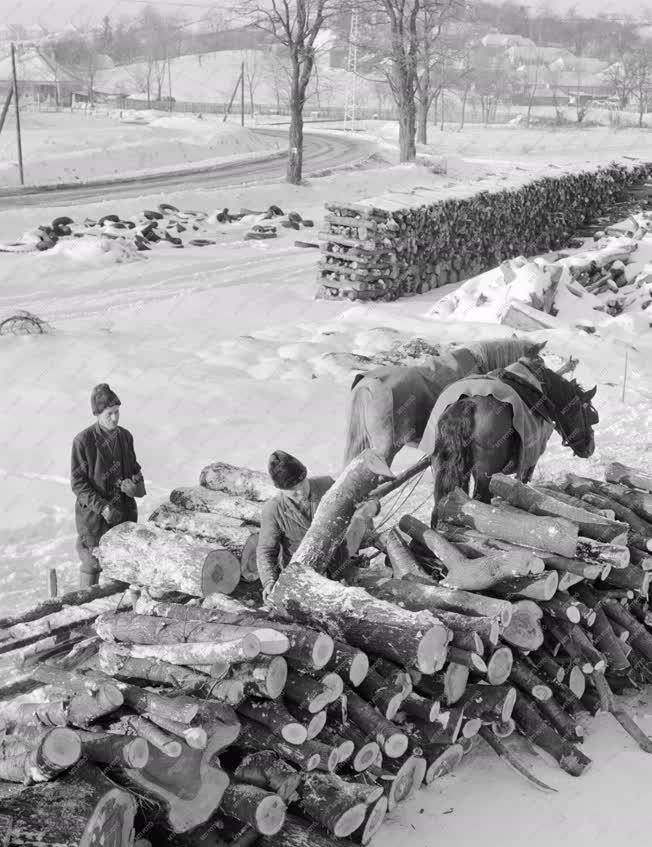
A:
[(335, 511), (349, 662), (400, 778), (344, 746), (78, 810), (639, 637), (534, 502), (489, 702), (266, 677), (267, 771), (212, 529), (300, 833), (400, 556), (633, 576), (596, 552), (556, 535), (382, 694), (405, 637), (256, 737), (151, 556), (538, 587), (526, 679), (115, 660), (366, 749), (637, 502), (631, 477), (469, 574), (391, 740), (536, 730), (433, 598), (374, 816), (107, 748), (312, 723), (558, 607), (239, 482), (273, 715), (201, 499), (499, 665), (42, 758), (200, 653), (332, 802), (56, 604), (448, 687), (465, 628), (524, 629), (254, 806), (314, 695)]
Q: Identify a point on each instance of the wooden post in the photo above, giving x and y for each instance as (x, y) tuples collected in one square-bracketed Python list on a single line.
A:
[(17, 107), (242, 94), (53, 582), (5, 108)]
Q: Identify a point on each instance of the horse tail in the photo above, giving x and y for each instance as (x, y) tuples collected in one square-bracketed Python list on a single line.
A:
[(357, 438), (453, 455)]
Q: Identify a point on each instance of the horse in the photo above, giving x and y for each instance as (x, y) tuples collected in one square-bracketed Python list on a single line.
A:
[(478, 434), (391, 405)]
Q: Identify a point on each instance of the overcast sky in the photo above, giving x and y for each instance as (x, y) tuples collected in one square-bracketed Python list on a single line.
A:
[(53, 14)]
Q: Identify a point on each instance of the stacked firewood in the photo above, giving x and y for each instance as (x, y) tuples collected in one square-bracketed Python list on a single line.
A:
[(340, 699), (384, 249)]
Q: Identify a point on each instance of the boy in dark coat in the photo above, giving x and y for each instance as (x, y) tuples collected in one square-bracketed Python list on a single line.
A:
[(105, 477), (287, 516)]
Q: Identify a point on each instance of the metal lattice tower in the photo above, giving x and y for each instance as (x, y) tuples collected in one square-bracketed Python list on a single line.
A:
[(350, 102)]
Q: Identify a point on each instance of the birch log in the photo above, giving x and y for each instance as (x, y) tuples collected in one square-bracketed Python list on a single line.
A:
[(239, 482), (140, 553), (631, 477), (201, 499)]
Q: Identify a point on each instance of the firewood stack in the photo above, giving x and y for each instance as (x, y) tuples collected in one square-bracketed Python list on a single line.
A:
[(340, 700), (383, 248)]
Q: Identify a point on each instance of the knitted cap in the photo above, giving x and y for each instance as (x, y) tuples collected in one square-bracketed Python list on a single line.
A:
[(286, 471), (102, 398)]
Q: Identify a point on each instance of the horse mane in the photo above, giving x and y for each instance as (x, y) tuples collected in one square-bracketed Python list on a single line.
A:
[(560, 391)]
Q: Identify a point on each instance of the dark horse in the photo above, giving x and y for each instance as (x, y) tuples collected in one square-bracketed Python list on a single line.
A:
[(476, 434)]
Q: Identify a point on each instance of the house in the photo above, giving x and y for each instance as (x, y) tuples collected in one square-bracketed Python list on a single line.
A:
[(581, 65), (502, 41), (39, 77), (536, 55)]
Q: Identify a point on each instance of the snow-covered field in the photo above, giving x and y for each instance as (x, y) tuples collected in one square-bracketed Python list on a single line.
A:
[(65, 147), (222, 353)]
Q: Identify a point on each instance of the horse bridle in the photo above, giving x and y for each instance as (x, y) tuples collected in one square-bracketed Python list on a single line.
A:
[(566, 440)]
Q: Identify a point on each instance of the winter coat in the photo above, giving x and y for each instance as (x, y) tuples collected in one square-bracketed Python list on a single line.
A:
[(282, 528), (95, 474)]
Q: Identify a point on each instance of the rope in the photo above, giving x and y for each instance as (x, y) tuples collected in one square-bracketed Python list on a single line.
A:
[(397, 505)]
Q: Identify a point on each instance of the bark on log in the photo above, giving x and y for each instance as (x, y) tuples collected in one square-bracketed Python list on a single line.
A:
[(239, 482), (640, 532), (416, 596), (382, 694), (596, 552), (255, 807), (421, 708), (473, 661), (268, 771), (344, 746), (534, 502), (139, 553), (400, 778), (499, 665), (561, 721), (201, 499), (544, 663), (447, 728), (56, 604), (537, 587), (349, 662), (469, 574), (154, 735), (441, 759), (39, 756), (448, 687), (561, 608), (332, 802), (526, 679), (400, 557), (212, 529), (266, 677), (116, 660), (556, 535), (273, 715), (107, 748), (411, 639), (633, 576), (366, 749), (300, 833), (465, 628), (559, 493), (631, 477), (314, 695), (200, 653), (524, 630), (253, 736), (536, 730), (489, 702), (194, 736), (637, 502), (46, 815), (374, 816), (392, 741), (312, 723), (639, 637)]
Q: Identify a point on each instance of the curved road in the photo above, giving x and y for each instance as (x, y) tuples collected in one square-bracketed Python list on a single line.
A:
[(321, 152)]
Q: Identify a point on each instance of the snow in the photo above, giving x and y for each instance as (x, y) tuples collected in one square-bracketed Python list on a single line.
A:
[(122, 148), (223, 353)]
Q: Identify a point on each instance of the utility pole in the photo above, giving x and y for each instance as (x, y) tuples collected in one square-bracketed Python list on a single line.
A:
[(169, 86), (242, 93), (16, 107), (350, 102)]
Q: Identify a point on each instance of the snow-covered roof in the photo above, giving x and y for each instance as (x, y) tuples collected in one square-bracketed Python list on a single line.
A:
[(580, 64), (500, 39), (537, 55)]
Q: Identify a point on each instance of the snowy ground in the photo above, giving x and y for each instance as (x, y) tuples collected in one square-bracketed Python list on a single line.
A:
[(112, 147), (222, 353)]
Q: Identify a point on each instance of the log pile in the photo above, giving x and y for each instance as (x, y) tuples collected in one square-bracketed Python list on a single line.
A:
[(338, 701), (383, 249)]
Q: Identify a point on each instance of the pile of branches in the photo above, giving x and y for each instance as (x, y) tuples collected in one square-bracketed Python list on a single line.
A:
[(384, 251), (340, 699)]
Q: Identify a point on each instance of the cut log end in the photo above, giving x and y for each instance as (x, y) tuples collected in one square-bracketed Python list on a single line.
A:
[(359, 668), (395, 745), (431, 651), (408, 779), (375, 816), (365, 756), (350, 820), (61, 748), (499, 666), (345, 750), (270, 815), (471, 727), (277, 674), (322, 651), (136, 753), (221, 573), (294, 733), (316, 724), (445, 763)]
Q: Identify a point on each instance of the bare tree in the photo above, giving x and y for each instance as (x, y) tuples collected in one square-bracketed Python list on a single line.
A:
[(252, 75), (639, 70), (295, 24)]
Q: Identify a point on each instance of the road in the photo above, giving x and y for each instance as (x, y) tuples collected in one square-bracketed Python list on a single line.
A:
[(321, 152)]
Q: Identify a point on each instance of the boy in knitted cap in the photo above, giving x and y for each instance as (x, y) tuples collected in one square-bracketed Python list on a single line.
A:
[(287, 516), (105, 477)]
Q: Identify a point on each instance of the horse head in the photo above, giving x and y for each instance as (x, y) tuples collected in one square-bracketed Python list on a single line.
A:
[(574, 414)]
